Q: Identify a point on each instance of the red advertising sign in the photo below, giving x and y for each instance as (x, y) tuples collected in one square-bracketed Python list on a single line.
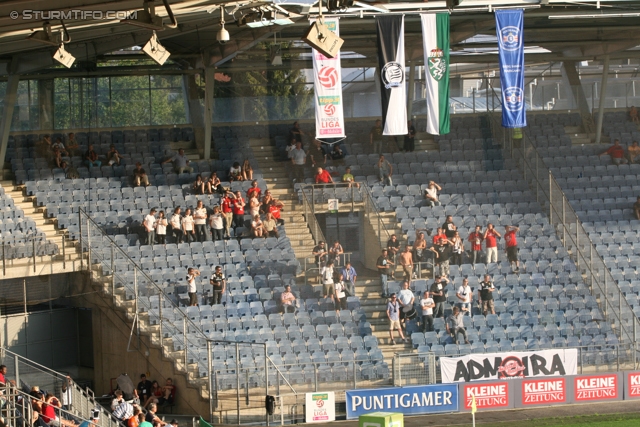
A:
[(634, 384), (595, 387), (488, 395), (540, 392)]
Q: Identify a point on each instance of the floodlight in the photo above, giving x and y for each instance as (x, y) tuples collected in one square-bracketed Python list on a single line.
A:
[(148, 19), (276, 54), (46, 36), (64, 57), (155, 50)]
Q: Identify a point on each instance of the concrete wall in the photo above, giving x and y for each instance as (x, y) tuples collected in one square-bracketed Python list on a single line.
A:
[(372, 248), (112, 357)]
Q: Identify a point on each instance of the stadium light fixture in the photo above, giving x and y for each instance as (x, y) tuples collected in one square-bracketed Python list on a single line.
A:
[(155, 50), (148, 19), (64, 57)]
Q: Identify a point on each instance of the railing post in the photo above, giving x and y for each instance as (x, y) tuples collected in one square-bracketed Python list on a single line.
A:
[(355, 380), (160, 323), (550, 192), (80, 238), (564, 229), (399, 359), (266, 381), (33, 245), (64, 252), (315, 377), (16, 363), (4, 265), (135, 290), (89, 260), (184, 337), (606, 297), (113, 272), (237, 383)]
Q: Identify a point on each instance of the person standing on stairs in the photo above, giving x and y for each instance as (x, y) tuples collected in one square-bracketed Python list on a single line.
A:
[(393, 313), (384, 264)]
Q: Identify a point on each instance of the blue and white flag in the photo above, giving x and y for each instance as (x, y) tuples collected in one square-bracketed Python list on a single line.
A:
[(509, 29)]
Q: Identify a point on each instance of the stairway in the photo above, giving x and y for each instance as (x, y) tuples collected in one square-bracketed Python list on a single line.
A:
[(67, 259)]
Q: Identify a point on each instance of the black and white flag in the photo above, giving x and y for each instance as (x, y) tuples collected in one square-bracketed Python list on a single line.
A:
[(393, 92)]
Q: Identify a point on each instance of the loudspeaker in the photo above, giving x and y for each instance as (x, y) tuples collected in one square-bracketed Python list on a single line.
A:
[(319, 37), (270, 404)]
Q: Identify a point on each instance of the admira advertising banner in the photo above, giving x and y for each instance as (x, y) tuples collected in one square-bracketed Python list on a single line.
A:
[(509, 365), (413, 400)]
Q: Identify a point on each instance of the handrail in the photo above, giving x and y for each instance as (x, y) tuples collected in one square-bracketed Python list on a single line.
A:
[(556, 217), (282, 375), (310, 216)]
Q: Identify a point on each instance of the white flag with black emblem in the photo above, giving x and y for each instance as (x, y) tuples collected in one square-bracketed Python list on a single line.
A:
[(393, 92)]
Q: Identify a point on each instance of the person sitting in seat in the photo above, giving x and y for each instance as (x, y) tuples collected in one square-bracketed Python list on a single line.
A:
[(113, 156), (247, 170), (140, 176), (180, 162), (288, 300), (214, 185), (91, 158), (199, 185), (616, 151), (257, 228), (235, 172)]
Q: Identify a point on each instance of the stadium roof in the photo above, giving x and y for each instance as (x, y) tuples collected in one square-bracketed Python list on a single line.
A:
[(555, 30)]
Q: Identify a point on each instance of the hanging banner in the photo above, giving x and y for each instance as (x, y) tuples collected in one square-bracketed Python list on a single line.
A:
[(509, 29), (327, 83), (393, 92), (435, 41), (320, 407), (509, 365)]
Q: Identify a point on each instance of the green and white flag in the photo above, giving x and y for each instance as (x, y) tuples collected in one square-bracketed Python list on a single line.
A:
[(435, 39)]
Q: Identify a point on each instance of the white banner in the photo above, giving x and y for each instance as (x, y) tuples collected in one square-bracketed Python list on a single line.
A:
[(327, 83), (509, 365), (320, 407)]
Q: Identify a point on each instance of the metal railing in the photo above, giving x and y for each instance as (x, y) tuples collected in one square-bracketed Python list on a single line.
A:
[(79, 402), (30, 253), (574, 237)]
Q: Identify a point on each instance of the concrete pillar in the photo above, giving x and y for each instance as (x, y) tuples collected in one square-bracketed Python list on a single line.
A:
[(575, 93), (45, 103), (7, 113), (603, 97), (209, 81), (195, 110)]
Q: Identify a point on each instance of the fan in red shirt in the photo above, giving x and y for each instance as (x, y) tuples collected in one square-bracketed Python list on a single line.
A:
[(254, 189), (323, 177), (616, 151), (491, 243), (512, 245), (440, 235), (274, 209), (476, 239), (238, 210), (227, 210)]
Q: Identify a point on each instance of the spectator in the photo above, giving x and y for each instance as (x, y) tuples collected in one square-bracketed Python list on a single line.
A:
[(511, 243), (316, 154), (449, 227), (298, 159), (491, 236), (420, 248), (254, 189), (431, 194), (219, 283), (113, 156), (323, 177), (337, 155), (140, 176), (476, 238), (438, 292), (121, 409), (410, 138), (180, 162), (326, 274), (440, 235), (383, 264), (192, 273), (288, 300), (427, 305), (270, 225), (134, 421), (188, 232), (406, 261), (341, 294), (257, 229), (149, 225), (485, 295), (349, 179), (375, 137), (176, 225), (214, 185), (443, 251), (633, 115), (320, 252), (72, 144), (60, 146), (385, 170), (95, 419), (168, 394), (247, 170), (152, 418), (200, 221), (266, 201), (91, 158), (455, 326), (238, 211), (199, 186), (634, 152), (350, 275), (393, 246), (457, 248), (58, 161), (49, 414), (216, 223), (274, 209), (465, 295), (43, 146), (235, 172), (393, 313), (144, 388), (156, 393), (406, 300), (616, 151), (334, 252), (227, 211), (161, 228), (636, 208), (3, 375), (295, 134)]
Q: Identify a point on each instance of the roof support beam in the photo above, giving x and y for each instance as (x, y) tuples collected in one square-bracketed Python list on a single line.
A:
[(7, 113)]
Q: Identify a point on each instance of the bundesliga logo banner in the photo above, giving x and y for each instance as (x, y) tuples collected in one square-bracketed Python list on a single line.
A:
[(327, 83), (391, 65), (509, 365), (509, 29)]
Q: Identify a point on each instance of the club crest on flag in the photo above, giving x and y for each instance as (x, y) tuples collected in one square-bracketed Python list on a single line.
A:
[(510, 39), (513, 97), (437, 64), (392, 75)]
